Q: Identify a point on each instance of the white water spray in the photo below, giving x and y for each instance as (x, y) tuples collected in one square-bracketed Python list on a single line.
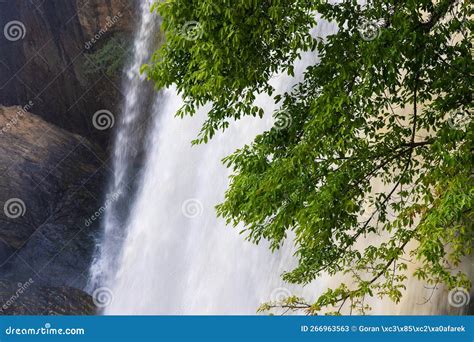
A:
[(178, 258), (126, 153)]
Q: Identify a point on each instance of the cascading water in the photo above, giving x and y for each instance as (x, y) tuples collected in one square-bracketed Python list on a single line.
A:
[(127, 150), (176, 256)]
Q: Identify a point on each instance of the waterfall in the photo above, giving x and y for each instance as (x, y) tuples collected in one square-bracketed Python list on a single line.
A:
[(177, 257), (128, 150), (166, 252)]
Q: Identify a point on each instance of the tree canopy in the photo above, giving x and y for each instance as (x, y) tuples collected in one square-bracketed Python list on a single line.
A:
[(389, 102)]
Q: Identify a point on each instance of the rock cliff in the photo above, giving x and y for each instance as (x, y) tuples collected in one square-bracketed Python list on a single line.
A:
[(30, 299), (62, 61), (51, 182), (47, 58)]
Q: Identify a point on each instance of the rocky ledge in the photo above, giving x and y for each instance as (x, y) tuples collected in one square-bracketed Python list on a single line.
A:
[(29, 299), (50, 185)]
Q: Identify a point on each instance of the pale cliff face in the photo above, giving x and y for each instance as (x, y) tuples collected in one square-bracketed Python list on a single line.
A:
[(95, 15)]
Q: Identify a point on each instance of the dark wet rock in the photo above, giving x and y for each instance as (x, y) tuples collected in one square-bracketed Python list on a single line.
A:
[(28, 298), (55, 178)]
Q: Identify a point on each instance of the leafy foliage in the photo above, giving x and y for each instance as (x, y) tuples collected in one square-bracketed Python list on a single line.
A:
[(109, 58), (394, 110)]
